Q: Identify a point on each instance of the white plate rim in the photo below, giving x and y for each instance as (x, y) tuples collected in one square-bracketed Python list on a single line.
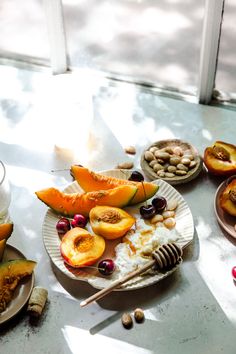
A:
[(51, 239)]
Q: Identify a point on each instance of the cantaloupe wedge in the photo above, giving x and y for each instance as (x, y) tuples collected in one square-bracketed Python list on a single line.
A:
[(92, 181), (81, 203)]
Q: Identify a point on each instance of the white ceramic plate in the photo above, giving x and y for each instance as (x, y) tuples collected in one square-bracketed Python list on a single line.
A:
[(225, 220), (22, 292), (184, 225)]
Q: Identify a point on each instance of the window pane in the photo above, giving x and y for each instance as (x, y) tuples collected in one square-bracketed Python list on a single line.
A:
[(151, 41), (226, 70), (23, 28)]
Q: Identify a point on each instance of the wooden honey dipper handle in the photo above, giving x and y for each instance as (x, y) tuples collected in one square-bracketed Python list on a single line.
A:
[(165, 253)]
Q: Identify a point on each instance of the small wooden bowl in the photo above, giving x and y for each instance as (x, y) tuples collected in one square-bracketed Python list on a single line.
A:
[(173, 143)]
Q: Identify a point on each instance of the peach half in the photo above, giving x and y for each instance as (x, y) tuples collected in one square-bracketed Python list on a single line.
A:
[(110, 222), (79, 248), (228, 198), (220, 159)]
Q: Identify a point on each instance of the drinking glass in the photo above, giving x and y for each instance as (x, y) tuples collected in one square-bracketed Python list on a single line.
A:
[(5, 194)]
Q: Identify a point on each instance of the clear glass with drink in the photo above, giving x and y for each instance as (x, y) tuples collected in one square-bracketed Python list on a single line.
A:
[(5, 195)]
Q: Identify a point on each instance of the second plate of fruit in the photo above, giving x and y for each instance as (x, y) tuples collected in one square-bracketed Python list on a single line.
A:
[(174, 223)]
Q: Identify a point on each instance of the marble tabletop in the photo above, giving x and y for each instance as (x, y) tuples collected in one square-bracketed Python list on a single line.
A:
[(192, 310)]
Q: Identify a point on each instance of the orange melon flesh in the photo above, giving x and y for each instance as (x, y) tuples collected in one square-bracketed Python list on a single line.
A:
[(81, 203), (91, 181), (5, 230), (11, 273)]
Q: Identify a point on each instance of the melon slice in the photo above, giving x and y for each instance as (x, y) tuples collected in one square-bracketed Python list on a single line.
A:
[(11, 273), (81, 203), (92, 181), (5, 230)]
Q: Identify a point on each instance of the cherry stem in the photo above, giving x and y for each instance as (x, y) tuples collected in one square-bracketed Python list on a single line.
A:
[(145, 195), (63, 169)]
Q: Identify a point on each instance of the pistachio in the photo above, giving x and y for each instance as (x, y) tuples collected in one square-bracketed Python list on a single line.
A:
[(125, 165), (152, 163), (162, 155), (169, 150), (148, 155), (157, 167), (171, 169), (189, 156), (169, 175), (185, 161), (180, 173), (192, 164), (153, 149), (126, 320), (174, 160), (161, 173), (178, 151), (139, 315), (130, 150), (182, 167)]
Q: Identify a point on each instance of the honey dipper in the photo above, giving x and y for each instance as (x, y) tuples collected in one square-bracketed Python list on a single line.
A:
[(164, 257)]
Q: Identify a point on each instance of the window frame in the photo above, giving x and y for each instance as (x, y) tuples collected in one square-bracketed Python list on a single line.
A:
[(212, 23)]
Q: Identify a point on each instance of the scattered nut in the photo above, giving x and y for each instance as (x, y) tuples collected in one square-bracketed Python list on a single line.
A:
[(139, 315), (169, 223), (157, 218), (130, 150), (125, 165), (172, 204), (126, 320), (168, 214)]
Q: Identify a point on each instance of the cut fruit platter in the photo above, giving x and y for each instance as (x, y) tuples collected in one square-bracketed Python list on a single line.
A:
[(105, 225)]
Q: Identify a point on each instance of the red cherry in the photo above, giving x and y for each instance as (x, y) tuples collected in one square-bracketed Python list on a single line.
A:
[(234, 272), (106, 266), (62, 226), (79, 220)]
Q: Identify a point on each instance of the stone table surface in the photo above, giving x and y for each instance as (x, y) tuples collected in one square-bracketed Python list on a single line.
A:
[(41, 128)]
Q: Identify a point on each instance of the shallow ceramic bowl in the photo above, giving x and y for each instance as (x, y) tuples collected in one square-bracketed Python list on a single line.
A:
[(172, 143)]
